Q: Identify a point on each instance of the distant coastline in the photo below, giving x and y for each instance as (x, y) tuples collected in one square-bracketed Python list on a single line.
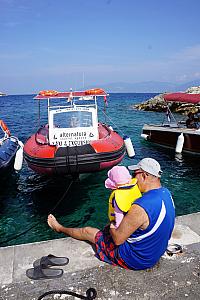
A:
[(146, 87)]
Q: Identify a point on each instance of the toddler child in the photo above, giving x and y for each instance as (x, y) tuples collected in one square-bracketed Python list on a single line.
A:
[(125, 192)]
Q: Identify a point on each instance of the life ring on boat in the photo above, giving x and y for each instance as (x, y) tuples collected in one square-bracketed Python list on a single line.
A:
[(48, 93), (4, 127), (95, 92)]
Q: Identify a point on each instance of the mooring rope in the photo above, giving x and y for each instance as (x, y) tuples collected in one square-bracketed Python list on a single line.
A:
[(27, 230), (90, 294), (122, 133)]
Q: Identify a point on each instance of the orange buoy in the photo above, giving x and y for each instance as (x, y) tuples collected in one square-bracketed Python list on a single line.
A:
[(4, 127), (95, 92), (48, 93)]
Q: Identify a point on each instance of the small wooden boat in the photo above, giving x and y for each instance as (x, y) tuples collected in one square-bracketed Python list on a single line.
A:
[(10, 152), (172, 134), (73, 141)]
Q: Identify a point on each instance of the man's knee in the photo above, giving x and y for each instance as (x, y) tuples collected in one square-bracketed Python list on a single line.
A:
[(87, 230), (89, 233)]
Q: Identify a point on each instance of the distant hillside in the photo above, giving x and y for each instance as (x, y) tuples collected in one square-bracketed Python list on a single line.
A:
[(147, 87), (139, 87), (187, 85)]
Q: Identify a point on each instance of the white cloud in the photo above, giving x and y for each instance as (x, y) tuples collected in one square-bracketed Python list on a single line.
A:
[(188, 54), (14, 56), (11, 24)]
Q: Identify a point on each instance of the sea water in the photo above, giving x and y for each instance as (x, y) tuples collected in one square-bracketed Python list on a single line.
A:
[(27, 198)]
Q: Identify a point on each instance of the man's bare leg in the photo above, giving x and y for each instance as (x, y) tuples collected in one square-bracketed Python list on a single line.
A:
[(83, 234)]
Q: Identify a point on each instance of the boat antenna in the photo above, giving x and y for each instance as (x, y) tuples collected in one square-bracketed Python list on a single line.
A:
[(83, 80)]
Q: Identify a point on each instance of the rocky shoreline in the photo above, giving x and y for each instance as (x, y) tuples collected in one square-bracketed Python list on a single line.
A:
[(158, 104)]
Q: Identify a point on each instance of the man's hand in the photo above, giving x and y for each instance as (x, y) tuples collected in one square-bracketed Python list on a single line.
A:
[(134, 219), (112, 225)]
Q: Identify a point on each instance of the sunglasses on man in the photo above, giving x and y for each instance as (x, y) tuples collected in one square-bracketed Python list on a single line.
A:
[(138, 172)]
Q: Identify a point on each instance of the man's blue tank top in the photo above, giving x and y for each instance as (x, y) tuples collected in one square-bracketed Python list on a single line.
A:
[(145, 247)]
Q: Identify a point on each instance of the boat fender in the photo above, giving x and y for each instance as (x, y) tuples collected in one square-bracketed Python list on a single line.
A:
[(110, 127), (145, 136), (179, 143), (129, 146), (19, 157), (4, 128)]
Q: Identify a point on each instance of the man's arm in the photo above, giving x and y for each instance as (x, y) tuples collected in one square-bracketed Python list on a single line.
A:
[(135, 218)]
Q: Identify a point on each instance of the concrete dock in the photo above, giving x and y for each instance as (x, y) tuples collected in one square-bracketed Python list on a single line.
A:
[(174, 277)]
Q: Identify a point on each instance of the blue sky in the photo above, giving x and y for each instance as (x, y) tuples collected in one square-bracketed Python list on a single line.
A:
[(50, 44)]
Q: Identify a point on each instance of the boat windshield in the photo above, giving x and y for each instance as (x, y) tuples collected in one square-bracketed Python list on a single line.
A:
[(72, 119)]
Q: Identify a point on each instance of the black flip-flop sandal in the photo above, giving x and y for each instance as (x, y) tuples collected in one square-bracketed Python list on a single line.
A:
[(51, 260), (38, 273), (174, 249)]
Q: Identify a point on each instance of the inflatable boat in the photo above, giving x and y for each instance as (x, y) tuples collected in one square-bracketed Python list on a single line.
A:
[(73, 141), (11, 153)]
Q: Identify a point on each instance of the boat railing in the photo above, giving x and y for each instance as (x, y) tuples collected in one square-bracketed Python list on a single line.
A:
[(71, 106), (174, 125)]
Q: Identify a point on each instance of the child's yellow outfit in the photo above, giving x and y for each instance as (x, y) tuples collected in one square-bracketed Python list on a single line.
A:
[(122, 198)]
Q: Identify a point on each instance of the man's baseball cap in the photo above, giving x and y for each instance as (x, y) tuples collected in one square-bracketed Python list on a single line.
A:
[(148, 165)]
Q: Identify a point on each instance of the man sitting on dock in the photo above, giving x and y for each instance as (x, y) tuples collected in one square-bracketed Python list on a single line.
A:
[(143, 235)]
